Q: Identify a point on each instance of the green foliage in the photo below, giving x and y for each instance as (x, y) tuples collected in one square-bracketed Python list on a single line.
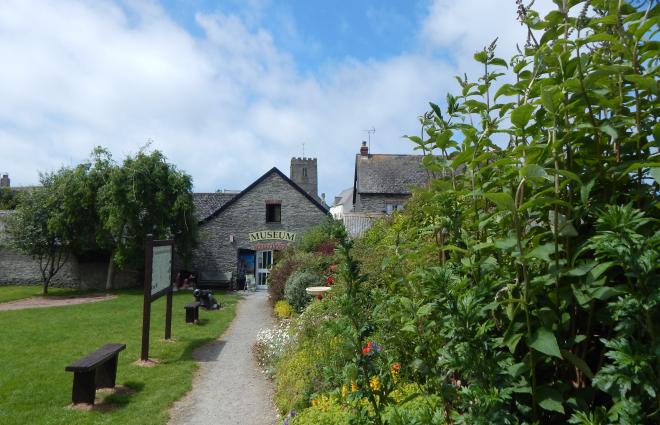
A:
[(7, 199), (522, 285), (318, 236), (147, 195), (294, 290), (39, 228)]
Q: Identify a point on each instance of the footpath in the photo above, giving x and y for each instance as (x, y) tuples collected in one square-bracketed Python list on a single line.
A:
[(229, 387)]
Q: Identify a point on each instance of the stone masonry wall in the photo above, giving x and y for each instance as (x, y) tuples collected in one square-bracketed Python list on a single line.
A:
[(376, 203), (248, 214)]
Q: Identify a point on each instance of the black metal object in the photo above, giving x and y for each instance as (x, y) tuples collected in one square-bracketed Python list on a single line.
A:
[(206, 299), (192, 312), (94, 371)]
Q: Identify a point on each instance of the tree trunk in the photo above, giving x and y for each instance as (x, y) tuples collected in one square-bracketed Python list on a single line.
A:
[(110, 277)]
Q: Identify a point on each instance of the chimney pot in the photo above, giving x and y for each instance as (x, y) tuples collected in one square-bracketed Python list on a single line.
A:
[(364, 150)]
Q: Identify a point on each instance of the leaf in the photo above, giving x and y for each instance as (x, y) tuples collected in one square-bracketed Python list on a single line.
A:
[(521, 115), (534, 171), (481, 56), (578, 362), (512, 336), (610, 131), (425, 310), (499, 61), (544, 340), (542, 252), (504, 201), (550, 399), (551, 99), (581, 269), (643, 82), (506, 90), (655, 173), (604, 293)]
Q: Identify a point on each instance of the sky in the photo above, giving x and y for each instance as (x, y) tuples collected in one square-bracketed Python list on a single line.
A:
[(227, 89)]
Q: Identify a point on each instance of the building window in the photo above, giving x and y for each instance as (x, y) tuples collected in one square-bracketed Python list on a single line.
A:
[(304, 171), (273, 213), (390, 208)]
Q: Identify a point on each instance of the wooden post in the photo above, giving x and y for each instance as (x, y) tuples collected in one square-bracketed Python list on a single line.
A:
[(146, 310), (168, 314)]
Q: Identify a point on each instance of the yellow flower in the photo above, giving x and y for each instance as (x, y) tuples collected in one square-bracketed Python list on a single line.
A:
[(354, 386), (344, 391), (314, 402), (374, 383), (394, 370)]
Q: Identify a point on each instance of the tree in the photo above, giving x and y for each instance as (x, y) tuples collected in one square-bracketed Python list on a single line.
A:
[(147, 195), (38, 228), (7, 199)]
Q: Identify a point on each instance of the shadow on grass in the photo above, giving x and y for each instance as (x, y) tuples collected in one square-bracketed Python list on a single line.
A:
[(202, 350)]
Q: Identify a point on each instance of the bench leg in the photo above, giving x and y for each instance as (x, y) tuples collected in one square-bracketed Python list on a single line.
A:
[(106, 374), (84, 389)]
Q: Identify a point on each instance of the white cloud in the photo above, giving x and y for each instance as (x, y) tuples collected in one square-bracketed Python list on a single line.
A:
[(225, 107)]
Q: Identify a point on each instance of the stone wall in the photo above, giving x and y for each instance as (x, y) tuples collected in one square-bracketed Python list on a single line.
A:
[(377, 203), (17, 268), (216, 253)]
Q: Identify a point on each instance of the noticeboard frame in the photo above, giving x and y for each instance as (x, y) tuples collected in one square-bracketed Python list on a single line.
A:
[(149, 297)]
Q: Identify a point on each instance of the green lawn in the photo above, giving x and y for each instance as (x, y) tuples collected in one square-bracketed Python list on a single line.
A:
[(15, 292), (38, 343)]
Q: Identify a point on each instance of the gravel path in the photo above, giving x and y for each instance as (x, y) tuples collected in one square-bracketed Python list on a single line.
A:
[(43, 302), (229, 387)]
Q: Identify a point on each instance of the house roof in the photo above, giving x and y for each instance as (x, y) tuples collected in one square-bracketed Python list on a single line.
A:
[(344, 198), (273, 170), (389, 174), (207, 203)]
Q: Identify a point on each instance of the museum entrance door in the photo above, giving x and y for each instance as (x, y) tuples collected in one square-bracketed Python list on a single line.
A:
[(246, 269), (264, 265)]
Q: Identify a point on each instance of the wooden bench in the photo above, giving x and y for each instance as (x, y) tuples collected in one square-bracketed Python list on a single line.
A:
[(192, 312), (214, 279), (94, 371)]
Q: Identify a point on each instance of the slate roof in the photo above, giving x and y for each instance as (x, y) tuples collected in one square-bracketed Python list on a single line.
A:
[(389, 174), (345, 198), (236, 196), (208, 203)]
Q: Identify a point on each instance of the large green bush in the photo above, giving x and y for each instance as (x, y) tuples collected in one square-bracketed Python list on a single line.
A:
[(522, 285), (294, 290)]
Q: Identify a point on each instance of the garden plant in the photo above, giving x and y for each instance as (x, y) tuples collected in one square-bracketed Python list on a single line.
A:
[(521, 286)]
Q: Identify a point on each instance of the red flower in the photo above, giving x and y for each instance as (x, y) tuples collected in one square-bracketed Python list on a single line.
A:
[(333, 267), (330, 280), (396, 366), (366, 350)]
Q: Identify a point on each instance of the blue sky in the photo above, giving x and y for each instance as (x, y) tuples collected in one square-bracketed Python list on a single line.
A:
[(228, 89)]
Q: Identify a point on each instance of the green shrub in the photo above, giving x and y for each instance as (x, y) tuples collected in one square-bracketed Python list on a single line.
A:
[(294, 290), (324, 411), (283, 309)]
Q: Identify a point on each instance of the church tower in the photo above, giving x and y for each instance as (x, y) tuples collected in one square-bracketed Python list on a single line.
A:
[(304, 174)]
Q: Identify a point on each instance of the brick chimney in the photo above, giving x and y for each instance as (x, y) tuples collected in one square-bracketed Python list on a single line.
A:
[(364, 150), (4, 181)]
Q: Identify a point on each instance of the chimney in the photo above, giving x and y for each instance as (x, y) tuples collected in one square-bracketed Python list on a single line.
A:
[(4, 181), (364, 150)]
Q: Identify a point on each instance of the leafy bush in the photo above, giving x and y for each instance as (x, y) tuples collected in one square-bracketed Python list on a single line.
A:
[(294, 290), (283, 309), (279, 275)]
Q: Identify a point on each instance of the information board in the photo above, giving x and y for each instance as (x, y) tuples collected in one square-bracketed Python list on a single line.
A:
[(161, 269)]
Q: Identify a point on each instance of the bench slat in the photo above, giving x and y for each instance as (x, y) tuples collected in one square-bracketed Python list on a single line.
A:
[(94, 359)]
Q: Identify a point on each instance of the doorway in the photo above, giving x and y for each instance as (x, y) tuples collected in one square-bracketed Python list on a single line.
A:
[(246, 269), (264, 265)]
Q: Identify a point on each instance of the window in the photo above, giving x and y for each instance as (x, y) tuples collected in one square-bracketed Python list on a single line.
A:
[(273, 213), (390, 208), (304, 171)]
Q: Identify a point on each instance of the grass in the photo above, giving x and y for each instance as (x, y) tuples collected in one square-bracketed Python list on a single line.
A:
[(16, 292), (38, 343)]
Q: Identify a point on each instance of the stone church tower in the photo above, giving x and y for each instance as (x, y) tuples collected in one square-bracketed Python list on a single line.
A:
[(304, 174)]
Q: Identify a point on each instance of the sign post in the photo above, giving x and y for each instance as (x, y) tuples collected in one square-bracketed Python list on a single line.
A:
[(158, 257)]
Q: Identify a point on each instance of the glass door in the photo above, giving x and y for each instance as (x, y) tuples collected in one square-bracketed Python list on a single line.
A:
[(264, 264)]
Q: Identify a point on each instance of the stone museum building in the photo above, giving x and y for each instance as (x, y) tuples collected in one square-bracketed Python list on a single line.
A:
[(241, 233)]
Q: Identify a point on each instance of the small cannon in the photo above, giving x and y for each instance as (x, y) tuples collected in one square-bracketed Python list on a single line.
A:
[(206, 299)]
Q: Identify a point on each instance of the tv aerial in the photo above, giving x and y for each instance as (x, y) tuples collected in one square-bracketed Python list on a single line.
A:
[(369, 132)]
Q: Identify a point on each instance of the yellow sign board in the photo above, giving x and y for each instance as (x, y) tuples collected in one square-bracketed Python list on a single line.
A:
[(264, 235)]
